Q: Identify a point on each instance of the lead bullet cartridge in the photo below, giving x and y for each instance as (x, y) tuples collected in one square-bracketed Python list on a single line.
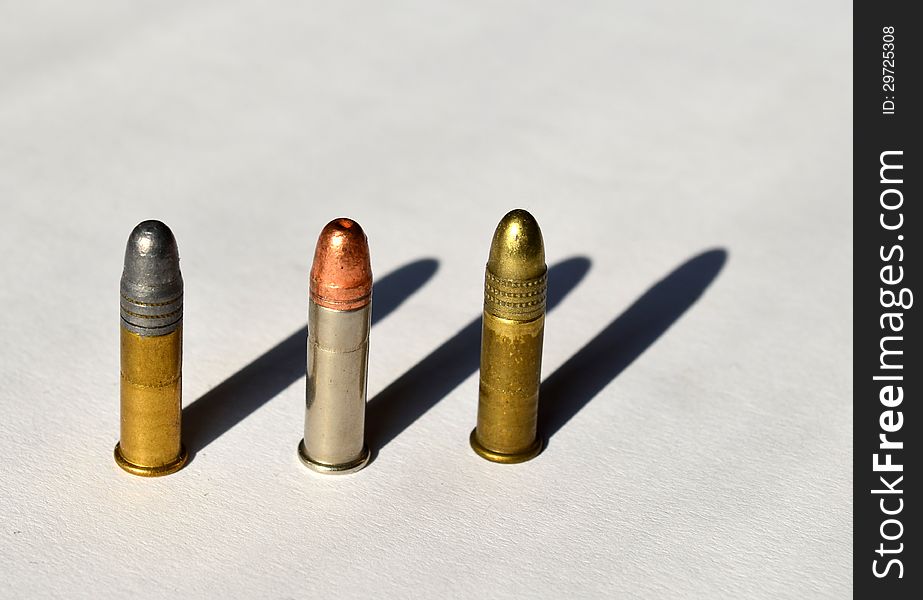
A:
[(151, 336), (515, 283), (339, 313)]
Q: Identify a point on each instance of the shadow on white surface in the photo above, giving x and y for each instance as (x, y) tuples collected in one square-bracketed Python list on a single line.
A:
[(408, 398), (237, 397), (593, 367)]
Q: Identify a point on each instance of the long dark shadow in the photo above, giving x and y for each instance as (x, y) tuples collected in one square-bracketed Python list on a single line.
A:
[(242, 393), (419, 389), (587, 372)]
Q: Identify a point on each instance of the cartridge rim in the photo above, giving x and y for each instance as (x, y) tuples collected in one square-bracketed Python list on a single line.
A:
[(341, 469), (506, 459), (143, 471)]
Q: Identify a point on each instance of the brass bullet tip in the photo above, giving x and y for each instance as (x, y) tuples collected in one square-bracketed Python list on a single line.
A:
[(515, 279), (152, 285), (517, 250), (341, 275)]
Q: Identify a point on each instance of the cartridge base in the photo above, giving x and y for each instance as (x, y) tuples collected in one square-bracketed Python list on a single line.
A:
[(343, 469), (134, 469), (507, 459)]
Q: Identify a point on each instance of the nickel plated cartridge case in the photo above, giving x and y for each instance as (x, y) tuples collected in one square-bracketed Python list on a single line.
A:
[(151, 336), (511, 342), (339, 313)]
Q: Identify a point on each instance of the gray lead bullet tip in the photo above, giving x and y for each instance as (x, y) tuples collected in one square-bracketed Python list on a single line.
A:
[(151, 240), (152, 285)]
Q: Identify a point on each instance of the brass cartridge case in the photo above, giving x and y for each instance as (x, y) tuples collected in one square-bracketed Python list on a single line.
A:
[(151, 354), (515, 286), (339, 320)]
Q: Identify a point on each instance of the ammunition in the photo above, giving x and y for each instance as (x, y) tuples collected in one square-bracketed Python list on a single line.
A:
[(511, 342), (339, 313), (151, 354)]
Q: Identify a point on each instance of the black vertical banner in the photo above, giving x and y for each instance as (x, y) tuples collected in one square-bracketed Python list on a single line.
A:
[(887, 368)]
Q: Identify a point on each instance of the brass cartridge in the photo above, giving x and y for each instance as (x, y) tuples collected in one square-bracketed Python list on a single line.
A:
[(511, 342), (151, 340)]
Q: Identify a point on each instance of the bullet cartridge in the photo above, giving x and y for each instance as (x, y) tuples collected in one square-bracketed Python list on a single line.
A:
[(515, 283), (339, 311), (151, 340)]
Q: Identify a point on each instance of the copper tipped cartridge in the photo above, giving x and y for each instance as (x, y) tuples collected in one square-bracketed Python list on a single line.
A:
[(511, 342), (151, 353), (339, 313)]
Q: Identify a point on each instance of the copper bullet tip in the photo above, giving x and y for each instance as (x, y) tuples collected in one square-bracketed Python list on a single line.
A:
[(341, 276)]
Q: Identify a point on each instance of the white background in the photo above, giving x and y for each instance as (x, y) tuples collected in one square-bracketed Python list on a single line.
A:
[(714, 463)]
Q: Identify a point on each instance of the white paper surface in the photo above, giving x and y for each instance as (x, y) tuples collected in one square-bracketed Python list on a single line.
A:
[(714, 461)]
